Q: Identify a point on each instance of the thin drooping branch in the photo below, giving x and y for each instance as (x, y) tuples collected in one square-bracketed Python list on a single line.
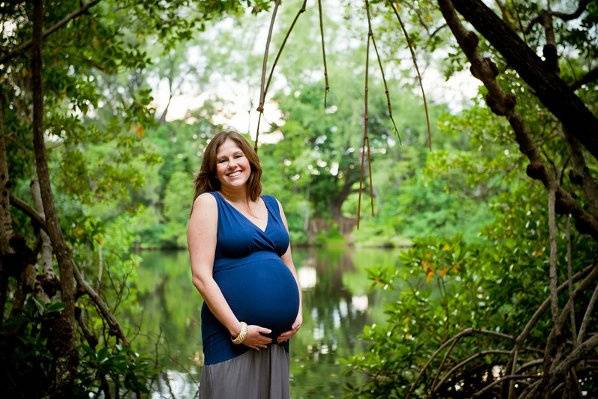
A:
[(555, 338), (430, 36), (90, 337), (370, 174), (520, 25), (69, 17), (589, 77), (580, 174), (365, 128), (569, 277), (101, 306), (581, 6), (587, 316), (550, 89), (326, 85), (552, 233), (66, 361), (419, 76), (6, 229), (260, 107), (284, 42), (386, 91)]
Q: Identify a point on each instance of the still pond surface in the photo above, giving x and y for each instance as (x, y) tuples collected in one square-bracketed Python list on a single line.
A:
[(338, 302)]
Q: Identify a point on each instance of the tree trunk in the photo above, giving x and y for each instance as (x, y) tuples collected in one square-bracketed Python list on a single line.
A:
[(550, 89), (6, 231), (336, 203), (62, 342), (46, 243)]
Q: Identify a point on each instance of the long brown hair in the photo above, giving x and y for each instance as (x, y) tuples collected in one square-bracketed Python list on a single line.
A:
[(206, 179)]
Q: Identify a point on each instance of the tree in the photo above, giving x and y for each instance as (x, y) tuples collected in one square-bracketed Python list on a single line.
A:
[(569, 178), (77, 100)]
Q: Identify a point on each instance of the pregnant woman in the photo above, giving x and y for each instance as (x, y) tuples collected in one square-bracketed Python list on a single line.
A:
[(242, 266)]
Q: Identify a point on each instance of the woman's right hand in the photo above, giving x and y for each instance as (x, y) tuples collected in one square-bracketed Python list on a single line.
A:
[(256, 339)]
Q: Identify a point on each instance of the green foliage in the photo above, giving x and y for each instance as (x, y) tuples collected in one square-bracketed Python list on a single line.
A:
[(168, 193), (119, 364), (443, 285), (27, 347)]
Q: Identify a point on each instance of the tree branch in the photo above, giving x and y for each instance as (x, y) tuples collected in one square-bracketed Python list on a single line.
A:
[(419, 76), (29, 211), (535, 318), (587, 315), (573, 358), (552, 237), (260, 107), (386, 92), (569, 277), (326, 85), (101, 306), (464, 333), (589, 77), (562, 15), (284, 42), (6, 229), (504, 104), (365, 125), (484, 390), (446, 355), (550, 89), (66, 361), (75, 14), (554, 340), (467, 360), (580, 174)]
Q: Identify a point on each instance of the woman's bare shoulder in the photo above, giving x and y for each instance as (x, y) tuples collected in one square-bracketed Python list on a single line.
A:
[(205, 203)]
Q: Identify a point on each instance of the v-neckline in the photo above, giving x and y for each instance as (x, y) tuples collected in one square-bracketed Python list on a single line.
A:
[(245, 217)]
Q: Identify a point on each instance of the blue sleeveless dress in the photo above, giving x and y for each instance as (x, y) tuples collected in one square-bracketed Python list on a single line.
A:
[(257, 285)]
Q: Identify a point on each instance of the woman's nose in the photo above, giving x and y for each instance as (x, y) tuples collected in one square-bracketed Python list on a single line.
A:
[(231, 163)]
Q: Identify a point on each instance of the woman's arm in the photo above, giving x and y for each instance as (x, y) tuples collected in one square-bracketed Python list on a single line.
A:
[(201, 239), (287, 259)]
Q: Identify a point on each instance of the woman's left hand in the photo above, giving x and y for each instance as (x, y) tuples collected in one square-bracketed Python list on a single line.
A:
[(285, 336)]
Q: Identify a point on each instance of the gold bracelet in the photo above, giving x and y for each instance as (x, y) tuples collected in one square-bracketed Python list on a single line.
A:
[(242, 334)]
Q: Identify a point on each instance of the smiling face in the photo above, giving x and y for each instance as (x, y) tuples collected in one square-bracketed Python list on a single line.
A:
[(232, 166), (226, 153)]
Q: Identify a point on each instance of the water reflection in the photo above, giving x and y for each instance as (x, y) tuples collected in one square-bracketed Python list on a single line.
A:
[(307, 277), (337, 303)]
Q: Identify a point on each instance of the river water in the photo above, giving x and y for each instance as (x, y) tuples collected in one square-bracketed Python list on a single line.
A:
[(338, 301)]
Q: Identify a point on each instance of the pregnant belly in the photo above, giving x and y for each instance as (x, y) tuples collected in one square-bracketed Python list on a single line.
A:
[(261, 292)]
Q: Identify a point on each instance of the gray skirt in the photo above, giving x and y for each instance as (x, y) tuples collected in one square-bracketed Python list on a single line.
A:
[(262, 374)]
